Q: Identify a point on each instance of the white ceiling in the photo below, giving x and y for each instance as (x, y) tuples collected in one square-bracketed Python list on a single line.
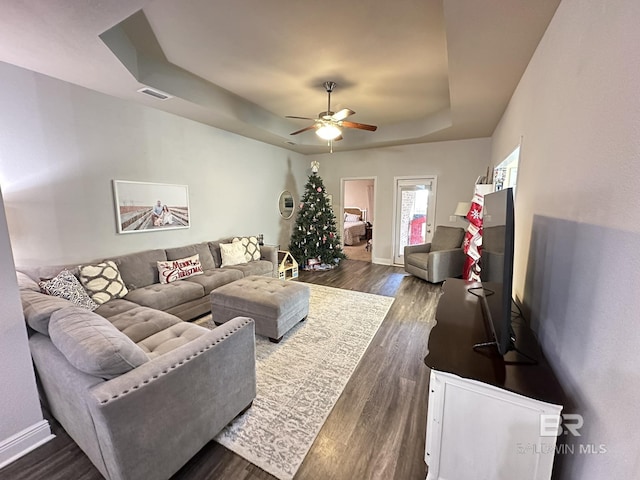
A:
[(422, 70)]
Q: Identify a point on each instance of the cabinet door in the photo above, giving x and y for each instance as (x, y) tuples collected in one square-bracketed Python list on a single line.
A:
[(482, 432)]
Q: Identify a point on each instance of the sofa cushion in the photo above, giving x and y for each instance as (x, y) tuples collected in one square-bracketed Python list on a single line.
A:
[(202, 249), (115, 307), (251, 247), (420, 260), (171, 338), (446, 238), (142, 322), (102, 281), (38, 308), (46, 272), (92, 344), (173, 270), (167, 295), (25, 282), (212, 279), (140, 269), (232, 253), (66, 285), (261, 267)]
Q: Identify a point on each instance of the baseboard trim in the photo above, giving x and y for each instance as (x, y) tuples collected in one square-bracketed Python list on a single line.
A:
[(381, 261), (25, 441)]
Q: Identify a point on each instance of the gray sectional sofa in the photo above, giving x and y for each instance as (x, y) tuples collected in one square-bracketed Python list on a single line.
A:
[(186, 299), (139, 389)]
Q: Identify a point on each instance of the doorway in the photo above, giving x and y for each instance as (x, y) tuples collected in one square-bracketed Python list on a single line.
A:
[(414, 213), (358, 217)]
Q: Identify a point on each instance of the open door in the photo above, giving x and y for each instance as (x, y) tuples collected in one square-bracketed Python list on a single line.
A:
[(415, 211)]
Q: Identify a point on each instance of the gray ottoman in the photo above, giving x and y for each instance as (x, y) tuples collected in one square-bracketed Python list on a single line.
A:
[(275, 305)]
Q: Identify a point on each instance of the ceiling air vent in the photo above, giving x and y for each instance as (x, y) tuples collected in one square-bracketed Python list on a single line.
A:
[(155, 93)]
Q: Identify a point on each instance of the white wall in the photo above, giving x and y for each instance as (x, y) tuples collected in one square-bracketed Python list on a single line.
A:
[(355, 195), (62, 145), (457, 164), (22, 427), (60, 148), (578, 222)]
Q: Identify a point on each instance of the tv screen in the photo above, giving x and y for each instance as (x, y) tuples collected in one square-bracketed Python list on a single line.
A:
[(496, 263)]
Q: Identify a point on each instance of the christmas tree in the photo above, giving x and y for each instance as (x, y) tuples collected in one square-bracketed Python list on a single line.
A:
[(315, 236)]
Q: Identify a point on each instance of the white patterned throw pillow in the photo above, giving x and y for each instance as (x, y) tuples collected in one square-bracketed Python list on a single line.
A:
[(232, 254), (66, 285), (102, 281), (173, 270), (251, 248)]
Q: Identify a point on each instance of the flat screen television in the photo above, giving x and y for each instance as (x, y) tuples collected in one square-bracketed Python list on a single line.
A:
[(496, 264)]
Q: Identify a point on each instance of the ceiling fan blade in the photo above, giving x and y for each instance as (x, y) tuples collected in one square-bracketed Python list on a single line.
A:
[(342, 114), (361, 126), (310, 127), (301, 118), (337, 139)]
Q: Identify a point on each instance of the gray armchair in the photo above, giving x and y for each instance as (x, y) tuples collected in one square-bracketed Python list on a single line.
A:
[(438, 260)]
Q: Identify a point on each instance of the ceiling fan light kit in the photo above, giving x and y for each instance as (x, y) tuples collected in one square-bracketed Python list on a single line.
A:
[(328, 132), (328, 125)]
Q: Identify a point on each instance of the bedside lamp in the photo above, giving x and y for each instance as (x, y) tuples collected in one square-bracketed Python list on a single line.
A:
[(462, 209)]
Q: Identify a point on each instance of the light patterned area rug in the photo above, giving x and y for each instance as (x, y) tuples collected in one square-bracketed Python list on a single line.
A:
[(301, 378)]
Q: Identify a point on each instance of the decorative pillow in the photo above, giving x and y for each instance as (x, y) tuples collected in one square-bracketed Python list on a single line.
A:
[(66, 285), (351, 217), (232, 253), (173, 270), (102, 281), (251, 247), (92, 344)]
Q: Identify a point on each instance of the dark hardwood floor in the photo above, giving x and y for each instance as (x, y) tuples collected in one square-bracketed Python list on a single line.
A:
[(376, 429)]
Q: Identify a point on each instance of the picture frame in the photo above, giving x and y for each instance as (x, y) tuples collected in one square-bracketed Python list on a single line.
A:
[(150, 207)]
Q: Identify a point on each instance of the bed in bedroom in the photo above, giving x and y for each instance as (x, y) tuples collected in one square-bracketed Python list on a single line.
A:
[(354, 226)]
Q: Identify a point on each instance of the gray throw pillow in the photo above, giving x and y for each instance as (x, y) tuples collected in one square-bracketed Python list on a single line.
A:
[(25, 282), (38, 308), (92, 344)]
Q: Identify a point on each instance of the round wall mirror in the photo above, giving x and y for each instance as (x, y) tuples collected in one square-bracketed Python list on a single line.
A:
[(285, 204)]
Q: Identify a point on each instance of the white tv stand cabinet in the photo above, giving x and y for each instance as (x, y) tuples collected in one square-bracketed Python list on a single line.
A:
[(484, 415)]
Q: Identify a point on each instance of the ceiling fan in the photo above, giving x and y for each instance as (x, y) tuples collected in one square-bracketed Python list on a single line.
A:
[(328, 125)]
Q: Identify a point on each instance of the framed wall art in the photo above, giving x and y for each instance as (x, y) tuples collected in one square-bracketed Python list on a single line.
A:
[(149, 207)]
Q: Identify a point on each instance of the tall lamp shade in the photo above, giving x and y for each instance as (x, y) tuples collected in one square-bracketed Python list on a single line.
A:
[(462, 209)]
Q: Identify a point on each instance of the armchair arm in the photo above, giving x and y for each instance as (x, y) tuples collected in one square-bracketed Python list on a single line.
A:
[(422, 248), (270, 253), (151, 420), (445, 263)]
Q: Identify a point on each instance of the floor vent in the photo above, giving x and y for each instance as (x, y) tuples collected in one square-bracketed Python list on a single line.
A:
[(155, 93)]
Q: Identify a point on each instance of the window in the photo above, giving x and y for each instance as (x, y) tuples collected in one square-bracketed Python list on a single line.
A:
[(505, 174)]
